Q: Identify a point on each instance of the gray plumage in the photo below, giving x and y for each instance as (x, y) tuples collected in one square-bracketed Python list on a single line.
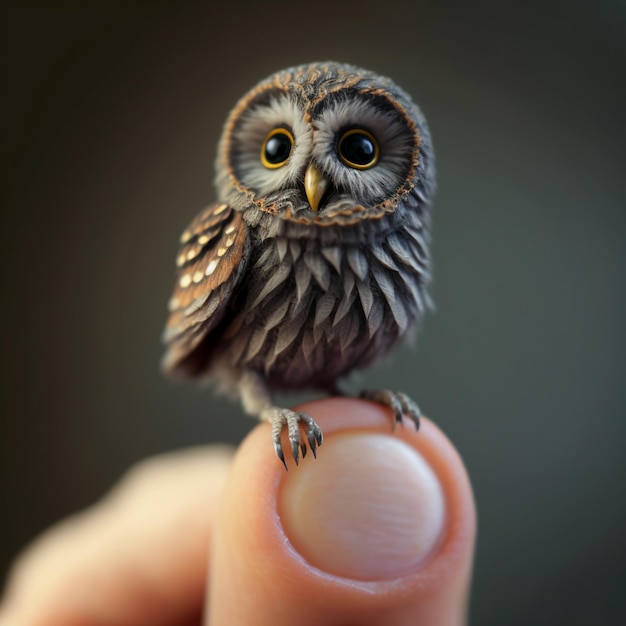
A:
[(311, 265)]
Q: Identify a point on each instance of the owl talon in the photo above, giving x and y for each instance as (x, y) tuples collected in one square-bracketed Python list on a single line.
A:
[(398, 402), (312, 442), (279, 418), (295, 449), (278, 448), (318, 435), (313, 434), (410, 408), (313, 429)]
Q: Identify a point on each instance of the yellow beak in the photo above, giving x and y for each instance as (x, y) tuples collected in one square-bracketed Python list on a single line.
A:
[(314, 185)]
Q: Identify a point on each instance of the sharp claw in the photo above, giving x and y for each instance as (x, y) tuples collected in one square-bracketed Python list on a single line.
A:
[(295, 450), (319, 436), (278, 448), (396, 406), (281, 418), (410, 408), (310, 435), (313, 430), (399, 403)]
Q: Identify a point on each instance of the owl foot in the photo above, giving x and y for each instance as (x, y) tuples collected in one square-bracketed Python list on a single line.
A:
[(279, 418), (398, 402)]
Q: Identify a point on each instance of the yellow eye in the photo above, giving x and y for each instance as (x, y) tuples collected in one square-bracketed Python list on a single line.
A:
[(277, 148), (358, 149)]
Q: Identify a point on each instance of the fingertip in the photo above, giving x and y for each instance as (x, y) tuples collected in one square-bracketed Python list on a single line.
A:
[(379, 529)]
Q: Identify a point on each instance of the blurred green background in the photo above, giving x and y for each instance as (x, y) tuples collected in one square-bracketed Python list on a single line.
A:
[(110, 116)]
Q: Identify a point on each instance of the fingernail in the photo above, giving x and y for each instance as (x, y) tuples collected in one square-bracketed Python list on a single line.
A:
[(369, 508)]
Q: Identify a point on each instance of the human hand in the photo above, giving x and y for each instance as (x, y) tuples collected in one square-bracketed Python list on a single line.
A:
[(379, 530)]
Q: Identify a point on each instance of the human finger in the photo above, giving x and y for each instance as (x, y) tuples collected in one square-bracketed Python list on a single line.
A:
[(379, 529)]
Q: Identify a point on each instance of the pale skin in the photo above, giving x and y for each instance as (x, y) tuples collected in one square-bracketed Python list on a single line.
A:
[(139, 556)]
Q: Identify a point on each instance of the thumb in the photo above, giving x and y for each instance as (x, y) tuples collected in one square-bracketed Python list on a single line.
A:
[(380, 529)]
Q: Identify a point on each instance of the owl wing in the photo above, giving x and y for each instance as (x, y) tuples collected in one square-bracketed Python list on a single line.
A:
[(213, 255)]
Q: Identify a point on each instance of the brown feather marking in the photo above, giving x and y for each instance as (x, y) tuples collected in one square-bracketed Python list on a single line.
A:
[(215, 248)]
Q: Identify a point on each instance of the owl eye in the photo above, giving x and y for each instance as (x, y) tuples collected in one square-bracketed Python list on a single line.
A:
[(277, 148), (358, 149)]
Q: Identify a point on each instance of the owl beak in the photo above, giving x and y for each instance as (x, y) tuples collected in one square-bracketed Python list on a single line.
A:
[(314, 185)]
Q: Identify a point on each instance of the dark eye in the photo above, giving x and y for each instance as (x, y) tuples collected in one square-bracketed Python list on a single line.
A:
[(276, 148), (357, 148)]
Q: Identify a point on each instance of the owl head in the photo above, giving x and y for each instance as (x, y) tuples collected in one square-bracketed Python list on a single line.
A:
[(325, 144)]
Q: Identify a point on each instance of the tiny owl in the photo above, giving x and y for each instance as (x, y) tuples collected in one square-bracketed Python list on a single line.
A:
[(315, 259)]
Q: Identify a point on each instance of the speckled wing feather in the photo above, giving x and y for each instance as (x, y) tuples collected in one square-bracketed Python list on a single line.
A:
[(214, 252)]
